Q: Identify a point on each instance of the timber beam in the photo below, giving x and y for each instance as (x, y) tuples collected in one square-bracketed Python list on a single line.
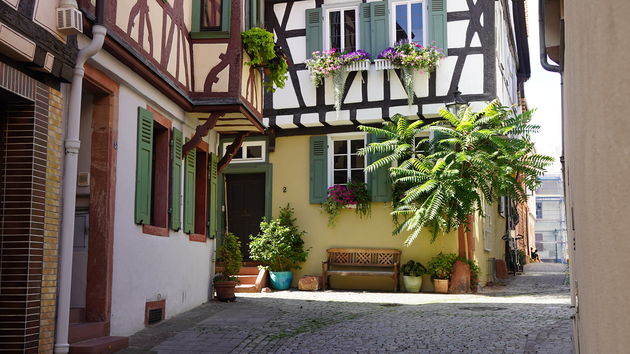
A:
[(201, 131), (231, 150)]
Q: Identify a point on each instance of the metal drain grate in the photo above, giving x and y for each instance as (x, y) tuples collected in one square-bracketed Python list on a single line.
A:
[(155, 315)]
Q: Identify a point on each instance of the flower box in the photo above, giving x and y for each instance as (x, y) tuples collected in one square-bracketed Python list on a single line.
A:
[(359, 65), (384, 64)]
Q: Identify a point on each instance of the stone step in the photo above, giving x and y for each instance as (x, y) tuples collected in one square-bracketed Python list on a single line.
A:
[(247, 279), (106, 344), (249, 271), (86, 330), (246, 288), (77, 314)]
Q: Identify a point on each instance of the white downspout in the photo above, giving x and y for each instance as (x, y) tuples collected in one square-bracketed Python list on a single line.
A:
[(72, 144)]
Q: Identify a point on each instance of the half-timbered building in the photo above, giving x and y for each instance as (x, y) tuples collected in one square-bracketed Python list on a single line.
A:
[(311, 146), (110, 159)]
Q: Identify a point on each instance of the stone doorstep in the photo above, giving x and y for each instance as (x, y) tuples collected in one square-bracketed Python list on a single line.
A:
[(107, 344)]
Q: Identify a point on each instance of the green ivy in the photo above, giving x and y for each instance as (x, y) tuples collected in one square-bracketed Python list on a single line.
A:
[(441, 266), (264, 53), (413, 268)]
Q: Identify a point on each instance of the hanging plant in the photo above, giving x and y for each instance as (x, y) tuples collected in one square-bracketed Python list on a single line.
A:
[(265, 54), (330, 63), (340, 196), (410, 56)]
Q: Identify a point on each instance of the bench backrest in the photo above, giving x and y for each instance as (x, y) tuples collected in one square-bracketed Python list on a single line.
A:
[(371, 257)]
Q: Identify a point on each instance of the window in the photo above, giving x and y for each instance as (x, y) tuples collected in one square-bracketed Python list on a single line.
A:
[(488, 227), (153, 172), (250, 151), (196, 193), (210, 19), (342, 29), (408, 21), (254, 12), (346, 163), (539, 210), (211, 15)]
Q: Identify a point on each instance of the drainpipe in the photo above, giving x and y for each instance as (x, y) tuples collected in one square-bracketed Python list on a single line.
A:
[(72, 145)]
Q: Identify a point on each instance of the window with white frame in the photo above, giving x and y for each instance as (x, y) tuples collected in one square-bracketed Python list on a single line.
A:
[(345, 161), (408, 21), (488, 227), (250, 151), (342, 29)]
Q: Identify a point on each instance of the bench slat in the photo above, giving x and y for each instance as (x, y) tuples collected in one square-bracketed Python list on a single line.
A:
[(361, 273)]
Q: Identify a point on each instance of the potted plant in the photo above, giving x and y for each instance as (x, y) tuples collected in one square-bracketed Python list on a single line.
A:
[(334, 64), (351, 195), (230, 254), (280, 245), (440, 268), (412, 275), (265, 54), (409, 57)]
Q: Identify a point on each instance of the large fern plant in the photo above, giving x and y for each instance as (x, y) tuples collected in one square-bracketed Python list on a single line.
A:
[(472, 157)]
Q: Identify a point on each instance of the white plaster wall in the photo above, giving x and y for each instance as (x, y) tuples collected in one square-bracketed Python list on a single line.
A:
[(146, 267)]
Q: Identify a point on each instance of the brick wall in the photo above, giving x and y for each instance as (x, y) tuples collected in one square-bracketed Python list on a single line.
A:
[(30, 170), (52, 218)]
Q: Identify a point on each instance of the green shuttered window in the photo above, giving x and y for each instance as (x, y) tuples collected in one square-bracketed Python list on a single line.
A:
[(375, 29), (314, 31), (437, 24), (379, 182), (318, 169), (176, 179), (144, 161), (190, 169), (213, 198)]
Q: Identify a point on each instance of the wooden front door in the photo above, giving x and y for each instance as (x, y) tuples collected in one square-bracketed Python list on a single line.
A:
[(245, 206)]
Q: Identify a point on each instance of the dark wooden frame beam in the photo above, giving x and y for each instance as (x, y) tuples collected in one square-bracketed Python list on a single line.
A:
[(231, 150), (201, 131)]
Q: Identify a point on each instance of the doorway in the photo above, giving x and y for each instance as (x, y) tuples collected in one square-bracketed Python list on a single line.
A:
[(245, 199)]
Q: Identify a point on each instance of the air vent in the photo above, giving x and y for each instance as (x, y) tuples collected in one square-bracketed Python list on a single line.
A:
[(366, 12), (69, 20), (155, 316)]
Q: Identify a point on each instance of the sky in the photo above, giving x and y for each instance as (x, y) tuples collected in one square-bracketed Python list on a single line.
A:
[(542, 92)]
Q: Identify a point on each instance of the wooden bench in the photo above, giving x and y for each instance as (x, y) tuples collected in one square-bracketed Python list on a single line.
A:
[(362, 262)]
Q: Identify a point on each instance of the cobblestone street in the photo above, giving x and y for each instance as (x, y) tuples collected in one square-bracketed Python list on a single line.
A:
[(529, 315)]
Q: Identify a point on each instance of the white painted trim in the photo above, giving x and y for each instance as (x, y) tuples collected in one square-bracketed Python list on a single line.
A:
[(244, 146), (342, 7), (392, 19), (343, 136)]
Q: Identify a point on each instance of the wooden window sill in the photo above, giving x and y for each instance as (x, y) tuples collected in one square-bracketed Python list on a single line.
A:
[(197, 237), (155, 230)]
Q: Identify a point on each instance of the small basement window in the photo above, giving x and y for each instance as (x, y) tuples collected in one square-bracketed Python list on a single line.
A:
[(154, 312)]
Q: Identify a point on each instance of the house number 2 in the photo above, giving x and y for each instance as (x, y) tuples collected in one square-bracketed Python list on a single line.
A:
[(284, 189)]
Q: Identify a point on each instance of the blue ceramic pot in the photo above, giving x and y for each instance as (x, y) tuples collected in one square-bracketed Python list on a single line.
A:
[(280, 280)]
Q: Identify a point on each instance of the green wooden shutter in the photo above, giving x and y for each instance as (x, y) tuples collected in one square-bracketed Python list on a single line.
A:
[(189, 191), (213, 198), (437, 24), (144, 167), (379, 182), (366, 24), (379, 16), (319, 169), (314, 33), (176, 179)]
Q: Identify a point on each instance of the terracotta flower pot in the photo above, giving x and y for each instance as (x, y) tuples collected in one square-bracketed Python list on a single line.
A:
[(441, 286), (225, 290)]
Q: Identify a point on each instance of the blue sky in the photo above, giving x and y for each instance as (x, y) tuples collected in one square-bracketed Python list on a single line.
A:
[(542, 91)]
